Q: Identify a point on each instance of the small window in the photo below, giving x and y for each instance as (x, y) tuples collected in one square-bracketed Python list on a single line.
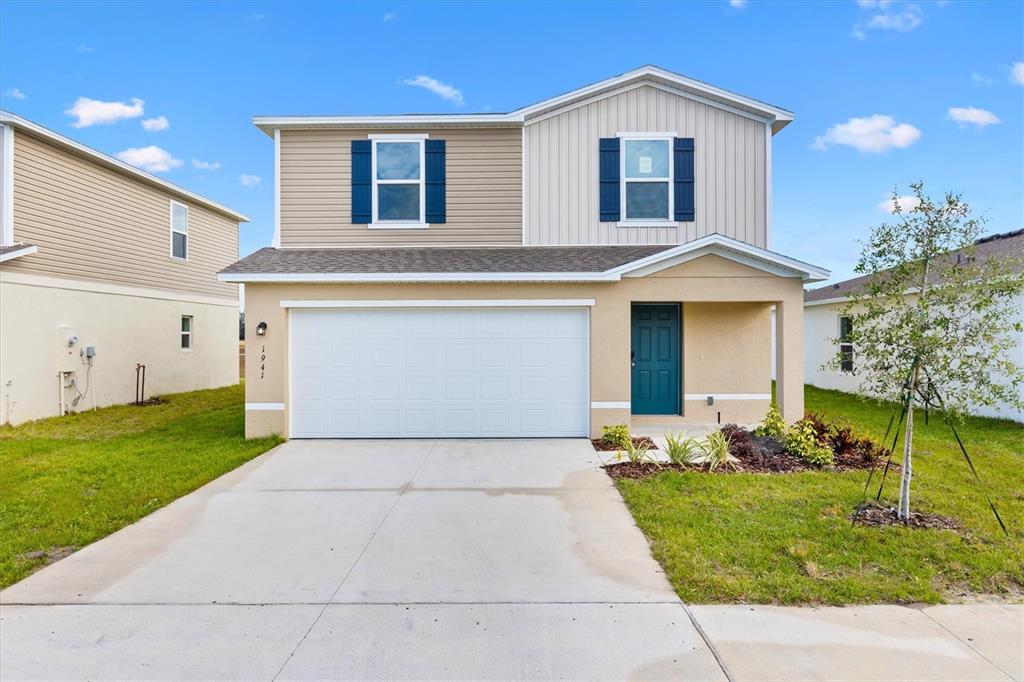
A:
[(179, 230), (647, 179), (846, 344), (186, 332), (398, 187)]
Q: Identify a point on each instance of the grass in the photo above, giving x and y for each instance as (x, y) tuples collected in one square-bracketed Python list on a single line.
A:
[(69, 481), (787, 539)]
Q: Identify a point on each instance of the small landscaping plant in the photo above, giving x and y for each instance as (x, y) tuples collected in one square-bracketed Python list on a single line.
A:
[(681, 450), (617, 435), (715, 449), (803, 439), (773, 425), (636, 453)]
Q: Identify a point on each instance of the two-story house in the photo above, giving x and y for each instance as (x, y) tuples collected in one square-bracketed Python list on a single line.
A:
[(103, 268), (600, 257)]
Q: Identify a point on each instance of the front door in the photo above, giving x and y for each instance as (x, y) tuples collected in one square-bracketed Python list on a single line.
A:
[(655, 358)]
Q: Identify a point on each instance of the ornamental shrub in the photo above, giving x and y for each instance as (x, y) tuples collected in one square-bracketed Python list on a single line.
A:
[(617, 435), (802, 439), (773, 424)]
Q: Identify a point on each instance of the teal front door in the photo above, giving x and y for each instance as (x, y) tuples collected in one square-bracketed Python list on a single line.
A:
[(655, 358)]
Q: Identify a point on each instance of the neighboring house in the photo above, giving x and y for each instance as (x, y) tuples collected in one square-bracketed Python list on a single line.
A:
[(824, 323), (597, 258), (104, 267)]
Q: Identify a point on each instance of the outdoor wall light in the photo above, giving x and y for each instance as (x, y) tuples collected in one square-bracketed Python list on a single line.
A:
[(261, 329)]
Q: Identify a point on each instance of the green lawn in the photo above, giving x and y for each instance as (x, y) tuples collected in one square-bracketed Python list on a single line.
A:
[(69, 481), (787, 539)]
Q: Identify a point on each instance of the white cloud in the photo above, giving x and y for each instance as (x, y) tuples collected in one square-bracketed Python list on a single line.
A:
[(442, 90), (155, 124), (907, 203), (85, 49), (16, 93), (971, 116), (249, 180), (873, 134), (982, 79), (205, 165), (1017, 73), (389, 16), (901, 20), (151, 158), (737, 4), (90, 112)]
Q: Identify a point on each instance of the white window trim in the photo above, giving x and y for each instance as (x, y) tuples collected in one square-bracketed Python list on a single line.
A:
[(375, 222), (190, 332), (841, 343), (170, 245), (669, 220)]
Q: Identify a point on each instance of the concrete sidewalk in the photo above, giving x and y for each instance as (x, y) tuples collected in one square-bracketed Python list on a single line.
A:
[(441, 560)]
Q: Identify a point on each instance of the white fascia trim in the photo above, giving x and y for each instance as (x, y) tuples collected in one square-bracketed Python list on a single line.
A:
[(109, 161), (728, 396), (448, 303), (644, 136), (7, 186), (763, 109), (277, 188), (611, 405), (22, 279), (263, 407), (728, 248), (18, 253), (269, 123), (348, 277), (826, 301)]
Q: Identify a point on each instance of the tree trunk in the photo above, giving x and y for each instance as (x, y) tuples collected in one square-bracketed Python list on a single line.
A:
[(905, 474)]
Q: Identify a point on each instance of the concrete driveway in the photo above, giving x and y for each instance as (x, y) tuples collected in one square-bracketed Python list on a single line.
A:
[(425, 559), (442, 559)]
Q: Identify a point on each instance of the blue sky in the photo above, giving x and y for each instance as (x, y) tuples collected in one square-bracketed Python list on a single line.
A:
[(872, 82)]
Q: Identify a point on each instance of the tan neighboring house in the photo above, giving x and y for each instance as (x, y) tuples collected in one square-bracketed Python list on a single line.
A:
[(825, 325), (104, 267), (597, 258)]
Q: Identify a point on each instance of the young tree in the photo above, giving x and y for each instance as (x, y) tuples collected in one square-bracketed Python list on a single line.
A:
[(931, 315)]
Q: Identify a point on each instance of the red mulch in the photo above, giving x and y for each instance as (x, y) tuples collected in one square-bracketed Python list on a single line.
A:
[(602, 445), (874, 514)]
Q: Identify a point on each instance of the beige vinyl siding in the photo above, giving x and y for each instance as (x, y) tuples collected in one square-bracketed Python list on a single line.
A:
[(562, 170), (483, 190), (93, 223)]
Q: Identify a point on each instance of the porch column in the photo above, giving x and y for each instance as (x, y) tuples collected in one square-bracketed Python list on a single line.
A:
[(789, 359)]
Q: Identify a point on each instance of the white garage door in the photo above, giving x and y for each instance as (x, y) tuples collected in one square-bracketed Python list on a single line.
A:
[(439, 372)]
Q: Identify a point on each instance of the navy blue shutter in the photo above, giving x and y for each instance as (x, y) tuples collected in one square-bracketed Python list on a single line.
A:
[(683, 160), (609, 175), (362, 185), (434, 154)]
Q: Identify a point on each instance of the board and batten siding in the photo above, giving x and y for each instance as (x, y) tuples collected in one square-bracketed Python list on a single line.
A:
[(94, 223), (562, 170), (483, 190)]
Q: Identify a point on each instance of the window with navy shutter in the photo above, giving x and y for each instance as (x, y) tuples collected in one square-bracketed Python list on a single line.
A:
[(609, 177), (435, 181), (684, 179), (362, 181)]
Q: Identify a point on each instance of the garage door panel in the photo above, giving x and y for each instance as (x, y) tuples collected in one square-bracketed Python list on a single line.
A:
[(439, 372)]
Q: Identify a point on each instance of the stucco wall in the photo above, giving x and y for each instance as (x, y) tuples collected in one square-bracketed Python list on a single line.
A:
[(126, 325), (742, 364), (821, 325)]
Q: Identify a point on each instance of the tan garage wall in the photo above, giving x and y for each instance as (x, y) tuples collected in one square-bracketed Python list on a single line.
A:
[(126, 327), (709, 281)]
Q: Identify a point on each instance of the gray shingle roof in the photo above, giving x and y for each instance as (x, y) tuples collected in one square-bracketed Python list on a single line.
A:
[(1008, 245), (474, 259)]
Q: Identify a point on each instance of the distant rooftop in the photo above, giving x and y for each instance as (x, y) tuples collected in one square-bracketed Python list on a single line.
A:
[(1006, 245)]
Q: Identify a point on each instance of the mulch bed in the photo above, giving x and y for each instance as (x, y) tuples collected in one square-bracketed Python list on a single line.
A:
[(641, 469), (155, 400), (602, 445), (874, 514)]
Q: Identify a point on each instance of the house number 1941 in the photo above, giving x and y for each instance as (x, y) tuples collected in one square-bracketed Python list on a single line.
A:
[(263, 361)]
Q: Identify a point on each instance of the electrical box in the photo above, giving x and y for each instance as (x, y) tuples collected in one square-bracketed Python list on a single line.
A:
[(67, 351), (90, 352)]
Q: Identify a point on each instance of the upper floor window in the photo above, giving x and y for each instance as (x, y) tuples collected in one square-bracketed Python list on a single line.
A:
[(179, 231), (845, 344), (399, 195), (647, 179)]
